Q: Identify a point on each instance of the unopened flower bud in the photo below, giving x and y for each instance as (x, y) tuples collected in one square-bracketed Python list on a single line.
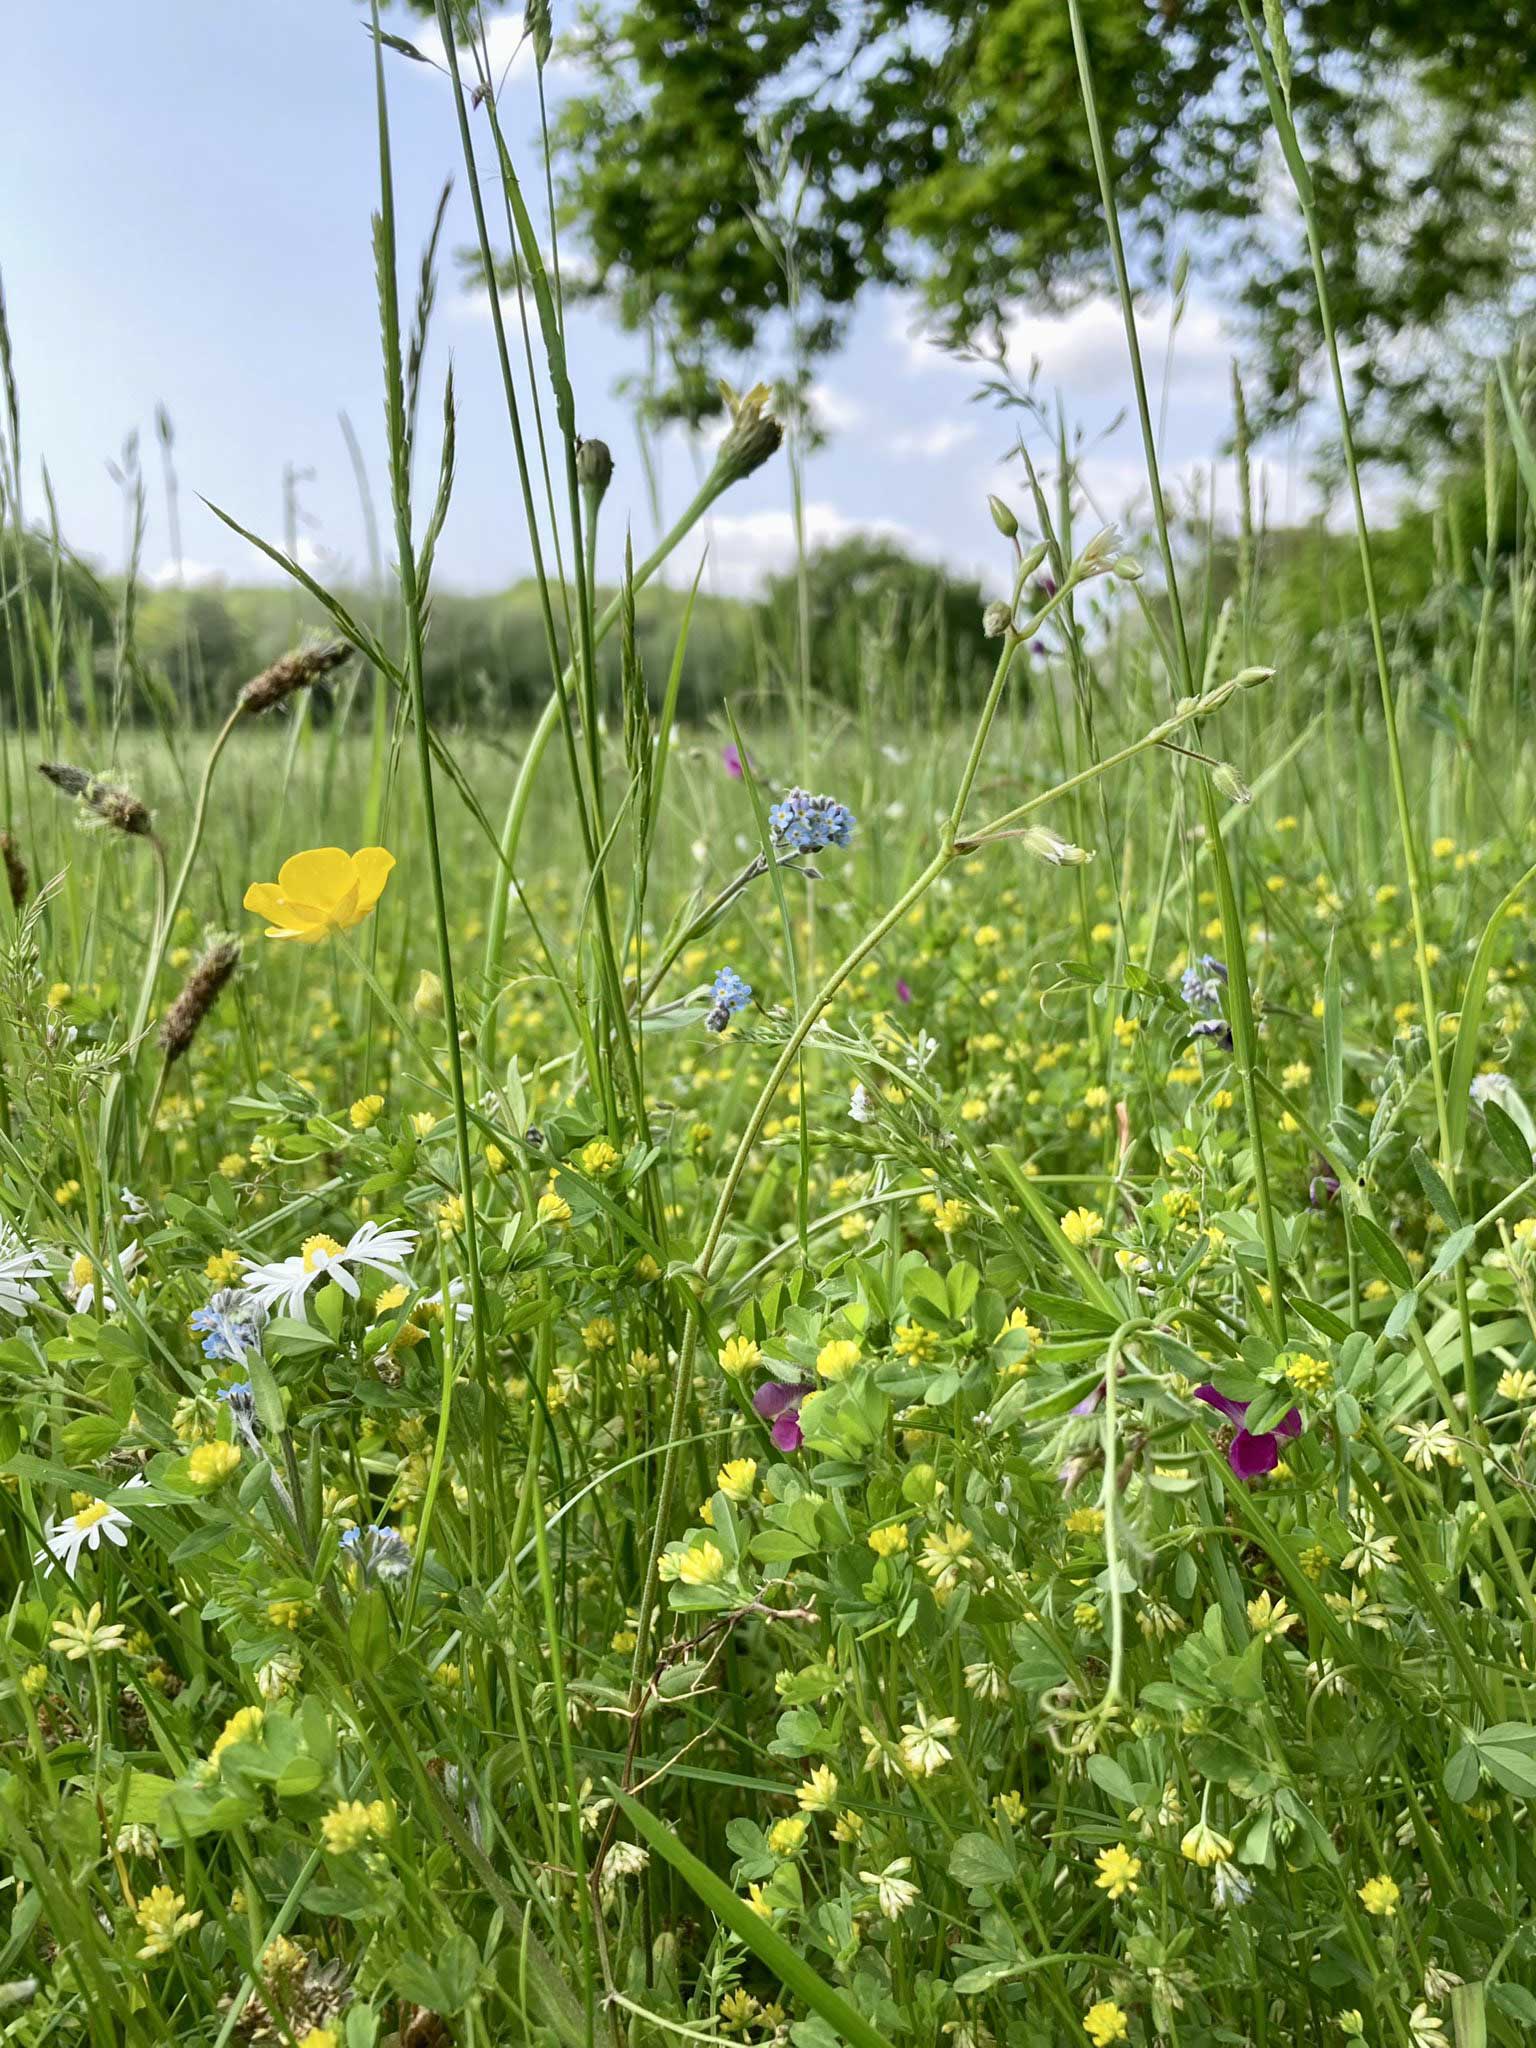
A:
[(428, 999), (1002, 517), (1231, 784), (1250, 678), (1096, 558), (594, 472), (1051, 847), (1127, 568), (996, 619), (1032, 561)]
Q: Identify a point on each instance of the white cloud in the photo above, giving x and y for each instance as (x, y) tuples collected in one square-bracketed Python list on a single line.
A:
[(834, 411), (942, 438), (190, 574), (1083, 353), (745, 548)]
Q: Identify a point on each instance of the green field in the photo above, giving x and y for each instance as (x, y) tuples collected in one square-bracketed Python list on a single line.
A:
[(637, 1406)]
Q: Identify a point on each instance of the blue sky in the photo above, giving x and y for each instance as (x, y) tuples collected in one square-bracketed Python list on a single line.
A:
[(186, 219)]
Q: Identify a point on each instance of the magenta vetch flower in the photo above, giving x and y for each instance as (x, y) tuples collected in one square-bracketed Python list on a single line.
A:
[(730, 754), (1251, 1456), (778, 1402), (903, 992)]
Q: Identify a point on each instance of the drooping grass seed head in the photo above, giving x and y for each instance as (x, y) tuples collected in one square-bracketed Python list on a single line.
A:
[(291, 673), (17, 879), (101, 803), (200, 992)]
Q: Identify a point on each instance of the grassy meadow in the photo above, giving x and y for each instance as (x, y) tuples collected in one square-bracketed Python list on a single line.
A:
[(639, 1405)]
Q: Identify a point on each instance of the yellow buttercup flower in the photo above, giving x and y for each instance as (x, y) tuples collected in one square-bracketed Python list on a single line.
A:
[(321, 892)]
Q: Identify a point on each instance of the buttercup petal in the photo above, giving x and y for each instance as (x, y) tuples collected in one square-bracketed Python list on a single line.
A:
[(321, 877), (372, 866), (341, 915), (268, 901), (288, 920)]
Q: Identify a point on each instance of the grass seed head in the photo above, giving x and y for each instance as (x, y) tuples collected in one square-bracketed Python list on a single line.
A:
[(293, 672), (104, 802), (202, 990), (17, 878)]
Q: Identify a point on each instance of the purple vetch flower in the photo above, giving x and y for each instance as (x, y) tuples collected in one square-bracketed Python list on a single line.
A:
[(730, 754), (1324, 1185), (1250, 1456), (778, 1402), (903, 991)]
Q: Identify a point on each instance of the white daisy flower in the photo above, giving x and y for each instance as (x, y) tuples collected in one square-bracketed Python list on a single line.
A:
[(462, 1310), (19, 1266), (64, 1540), (84, 1287), (285, 1282)]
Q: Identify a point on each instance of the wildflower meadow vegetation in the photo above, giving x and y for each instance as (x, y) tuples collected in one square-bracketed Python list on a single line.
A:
[(799, 1378)]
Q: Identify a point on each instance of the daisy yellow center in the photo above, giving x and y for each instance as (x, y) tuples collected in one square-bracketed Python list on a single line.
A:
[(87, 1518), (317, 1250), (81, 1272)]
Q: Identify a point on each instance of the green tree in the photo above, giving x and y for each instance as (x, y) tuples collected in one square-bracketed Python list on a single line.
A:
[(946, 151)]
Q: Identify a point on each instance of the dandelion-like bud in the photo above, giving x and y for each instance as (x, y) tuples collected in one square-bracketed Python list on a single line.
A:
[(594, 472), (118, 809), (203, 987), (17, 878), (753, 435), (729, 994), (293, 672)]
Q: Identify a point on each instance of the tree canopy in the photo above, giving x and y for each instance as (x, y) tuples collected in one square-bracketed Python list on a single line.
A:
[(943, 148)]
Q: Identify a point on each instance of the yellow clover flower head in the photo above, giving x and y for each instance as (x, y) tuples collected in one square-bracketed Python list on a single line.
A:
[(321, 892)]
